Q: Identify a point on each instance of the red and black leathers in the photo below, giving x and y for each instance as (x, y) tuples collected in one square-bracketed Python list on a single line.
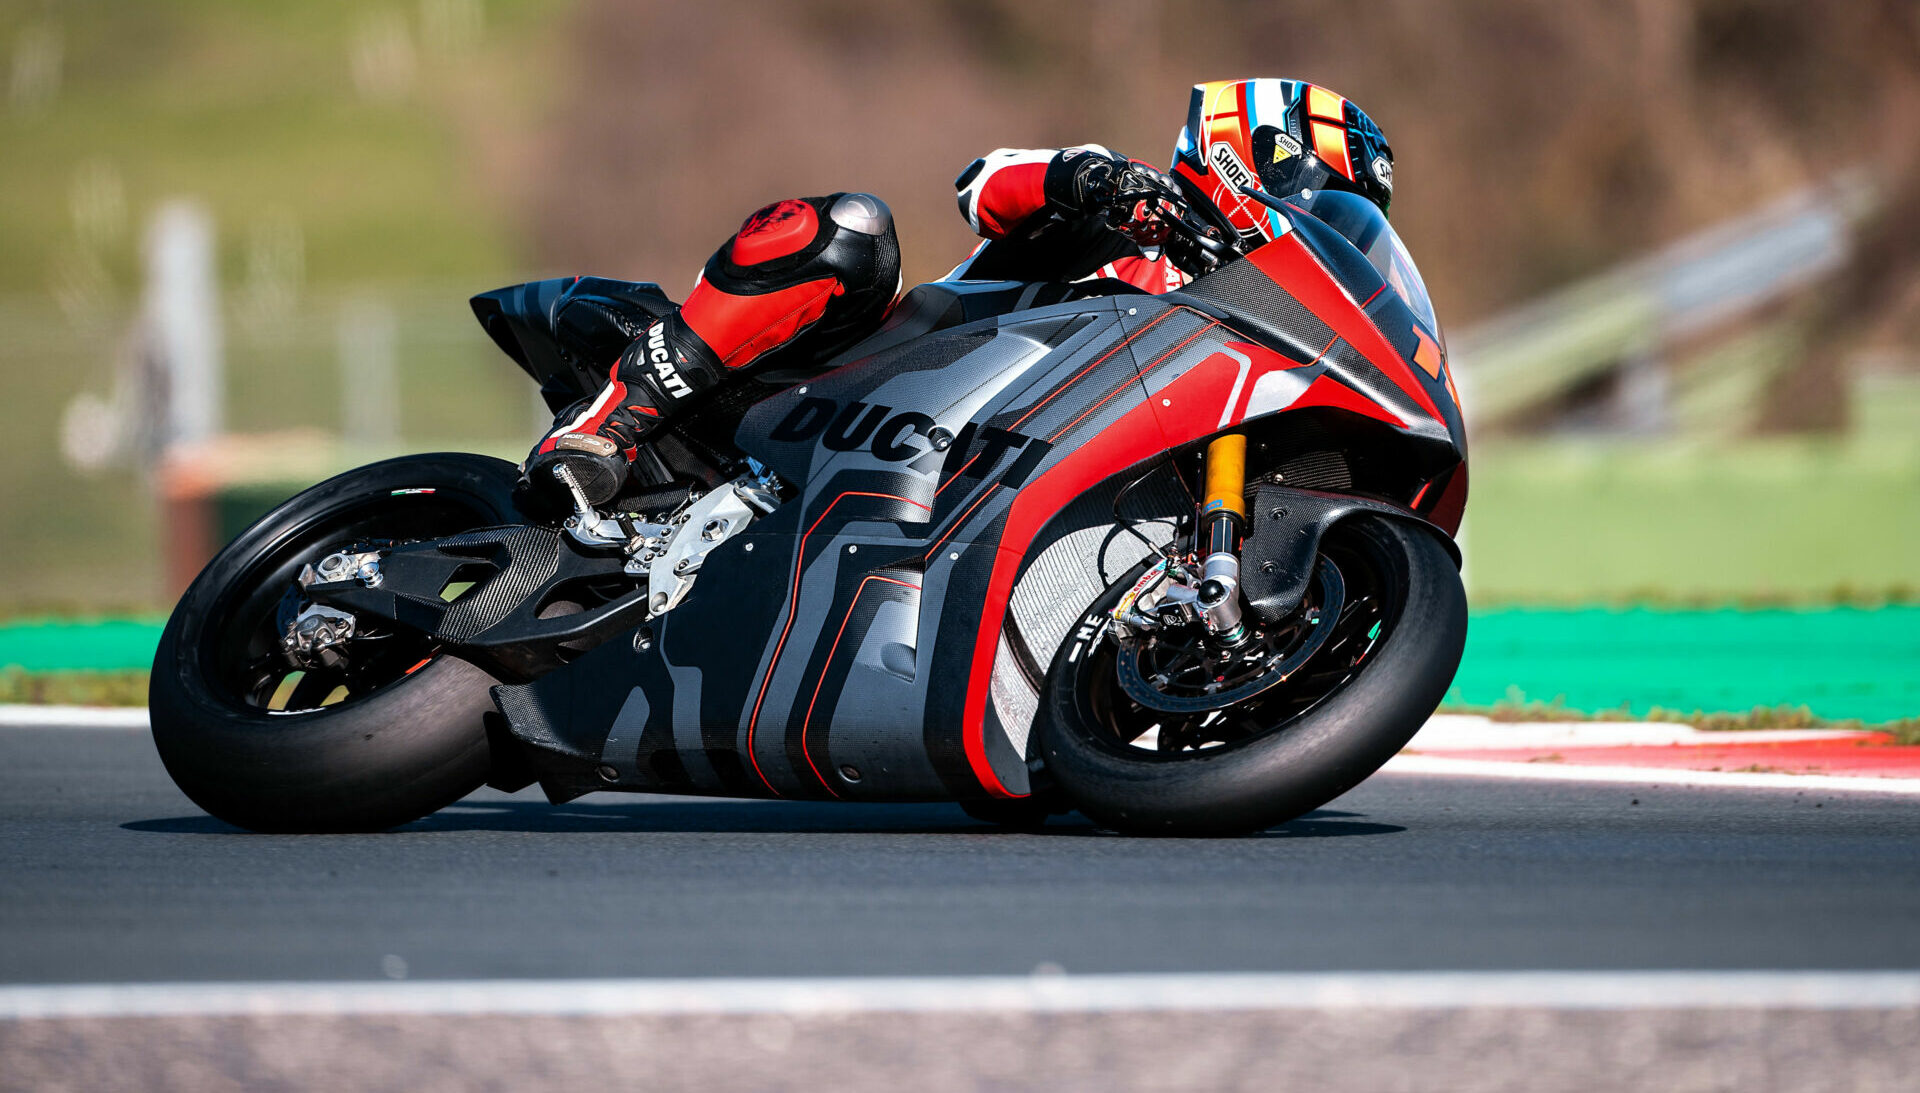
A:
[(802, 279)]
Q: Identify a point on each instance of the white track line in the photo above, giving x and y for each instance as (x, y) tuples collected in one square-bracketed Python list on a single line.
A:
[(984, 994), (73, 717), (1665, 776)]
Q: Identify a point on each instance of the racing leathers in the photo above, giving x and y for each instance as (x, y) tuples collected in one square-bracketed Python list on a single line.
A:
[(808, 277)]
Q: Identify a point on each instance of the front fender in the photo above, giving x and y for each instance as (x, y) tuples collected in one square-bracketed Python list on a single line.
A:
[(1284, 527)]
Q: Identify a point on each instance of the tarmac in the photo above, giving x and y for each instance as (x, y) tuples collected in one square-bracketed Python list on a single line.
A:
[(115, 882)]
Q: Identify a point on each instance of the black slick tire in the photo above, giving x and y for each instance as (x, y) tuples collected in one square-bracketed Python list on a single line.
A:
[(390, 757)]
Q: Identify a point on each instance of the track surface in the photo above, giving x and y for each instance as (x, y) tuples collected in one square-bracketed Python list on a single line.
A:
[(111, 875)]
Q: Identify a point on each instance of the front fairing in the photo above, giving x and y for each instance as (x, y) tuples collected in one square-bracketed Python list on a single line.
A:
[(1355, 244), (1341, 306)]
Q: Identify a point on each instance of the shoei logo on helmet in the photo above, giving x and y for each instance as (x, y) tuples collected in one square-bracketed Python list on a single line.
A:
[(662, 359), (1383, 170), (1227, 162), (1284, 146)]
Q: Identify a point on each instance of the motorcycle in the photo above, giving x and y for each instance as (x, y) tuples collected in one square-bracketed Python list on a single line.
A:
[(1183, 562)]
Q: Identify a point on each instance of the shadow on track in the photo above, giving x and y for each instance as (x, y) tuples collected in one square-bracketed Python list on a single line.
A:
[(693, 815)]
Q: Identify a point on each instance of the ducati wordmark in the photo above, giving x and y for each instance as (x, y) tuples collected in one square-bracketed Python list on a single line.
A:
[(909, 434)]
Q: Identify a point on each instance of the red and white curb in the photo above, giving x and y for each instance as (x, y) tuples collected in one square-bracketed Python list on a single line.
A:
[(1660, 753), (1038, 993)]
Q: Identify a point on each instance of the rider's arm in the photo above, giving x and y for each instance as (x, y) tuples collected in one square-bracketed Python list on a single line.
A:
[(1003, 192)]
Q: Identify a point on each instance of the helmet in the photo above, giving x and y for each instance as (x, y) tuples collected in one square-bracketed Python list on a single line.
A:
[(1279, 136)]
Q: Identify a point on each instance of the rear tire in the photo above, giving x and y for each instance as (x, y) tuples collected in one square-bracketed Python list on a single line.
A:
[(1302, 761), (403, 749)]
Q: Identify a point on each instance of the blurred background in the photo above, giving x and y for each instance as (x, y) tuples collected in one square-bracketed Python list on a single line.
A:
[(1676, 245)]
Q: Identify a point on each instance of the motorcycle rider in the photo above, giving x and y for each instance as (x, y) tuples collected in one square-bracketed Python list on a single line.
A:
[(806, 278)]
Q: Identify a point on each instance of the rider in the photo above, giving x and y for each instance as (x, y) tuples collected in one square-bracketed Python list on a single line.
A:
[(808, 277)]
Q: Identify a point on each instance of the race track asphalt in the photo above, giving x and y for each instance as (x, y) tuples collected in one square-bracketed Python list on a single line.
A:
[(108, 874)]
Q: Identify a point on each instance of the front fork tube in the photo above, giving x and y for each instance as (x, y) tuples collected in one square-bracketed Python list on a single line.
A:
[(1223, 520)]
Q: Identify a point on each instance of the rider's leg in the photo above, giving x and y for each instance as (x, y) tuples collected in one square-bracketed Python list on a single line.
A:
[(801, 280)]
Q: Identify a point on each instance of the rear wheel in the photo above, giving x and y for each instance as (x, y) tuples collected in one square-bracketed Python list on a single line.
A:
[(1166, 734), (375, 730)]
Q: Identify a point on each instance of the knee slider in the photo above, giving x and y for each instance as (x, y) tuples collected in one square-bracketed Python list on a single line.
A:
[(863, 213)]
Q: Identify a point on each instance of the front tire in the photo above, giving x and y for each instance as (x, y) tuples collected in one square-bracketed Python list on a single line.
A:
[(1291, 750), (272, 749)]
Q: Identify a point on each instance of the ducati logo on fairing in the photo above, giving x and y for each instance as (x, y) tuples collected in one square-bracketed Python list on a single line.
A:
[(662, 359), (910, 434), (1227, 162)]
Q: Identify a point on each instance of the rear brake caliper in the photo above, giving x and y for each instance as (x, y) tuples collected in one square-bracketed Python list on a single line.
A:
[(314, 637)]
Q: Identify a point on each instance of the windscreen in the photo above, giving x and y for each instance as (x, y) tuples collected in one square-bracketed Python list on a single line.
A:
[(1363, 224)]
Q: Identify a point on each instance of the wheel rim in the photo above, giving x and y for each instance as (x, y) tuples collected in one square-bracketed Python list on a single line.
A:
[(242, 655), (1361, 591)]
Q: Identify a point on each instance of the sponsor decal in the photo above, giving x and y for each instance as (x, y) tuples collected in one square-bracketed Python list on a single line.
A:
[(585, 442), (408, 493), (1383, 170), (662, 360), (1226, 161), (1284, 145), (912, 435)]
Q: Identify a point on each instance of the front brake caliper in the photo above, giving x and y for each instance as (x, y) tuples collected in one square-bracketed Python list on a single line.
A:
[(1159, 598)]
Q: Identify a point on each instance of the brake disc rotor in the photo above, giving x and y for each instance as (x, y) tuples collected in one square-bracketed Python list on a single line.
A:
[(1244, 675)]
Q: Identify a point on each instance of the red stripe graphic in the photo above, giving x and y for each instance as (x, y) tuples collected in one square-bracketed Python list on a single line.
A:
[(807, 721), (793, 606)]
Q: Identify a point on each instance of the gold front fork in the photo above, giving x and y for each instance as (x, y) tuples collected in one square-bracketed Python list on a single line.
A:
[(1227, 477), (1223, 520)]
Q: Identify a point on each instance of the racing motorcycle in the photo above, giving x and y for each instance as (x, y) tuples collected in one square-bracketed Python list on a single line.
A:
[(1183, 562)]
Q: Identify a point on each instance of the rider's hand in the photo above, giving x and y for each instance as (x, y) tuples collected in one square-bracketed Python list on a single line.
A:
[(1084, 181)]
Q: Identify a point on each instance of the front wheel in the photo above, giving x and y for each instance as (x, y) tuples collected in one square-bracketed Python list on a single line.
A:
[(1362, 665), (379, 728)]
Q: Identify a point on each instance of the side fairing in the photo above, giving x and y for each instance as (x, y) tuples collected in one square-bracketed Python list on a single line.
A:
[(844, 646)]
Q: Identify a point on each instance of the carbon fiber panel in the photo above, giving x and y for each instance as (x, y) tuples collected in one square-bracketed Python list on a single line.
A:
[(536, 558)]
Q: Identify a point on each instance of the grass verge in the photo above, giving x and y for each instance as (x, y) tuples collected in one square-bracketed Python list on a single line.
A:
[(122, 688)]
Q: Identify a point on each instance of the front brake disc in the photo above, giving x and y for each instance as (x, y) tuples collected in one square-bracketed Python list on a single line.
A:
[(1280, 663)]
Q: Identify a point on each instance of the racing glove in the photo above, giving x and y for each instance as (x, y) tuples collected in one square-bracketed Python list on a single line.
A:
[(1083, 181)]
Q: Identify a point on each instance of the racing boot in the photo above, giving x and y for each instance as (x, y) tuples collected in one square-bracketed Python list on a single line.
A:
[(594, 441)]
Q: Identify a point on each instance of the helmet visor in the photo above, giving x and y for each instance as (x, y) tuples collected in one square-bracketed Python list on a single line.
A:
[(1283, 166)]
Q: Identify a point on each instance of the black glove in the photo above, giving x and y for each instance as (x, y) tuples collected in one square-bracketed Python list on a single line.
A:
[(1083, 181)]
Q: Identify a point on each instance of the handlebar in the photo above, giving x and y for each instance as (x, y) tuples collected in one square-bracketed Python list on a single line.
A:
[(1170, 207)]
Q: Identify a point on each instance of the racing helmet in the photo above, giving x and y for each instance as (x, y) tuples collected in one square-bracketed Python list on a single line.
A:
[(1281, 137)]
